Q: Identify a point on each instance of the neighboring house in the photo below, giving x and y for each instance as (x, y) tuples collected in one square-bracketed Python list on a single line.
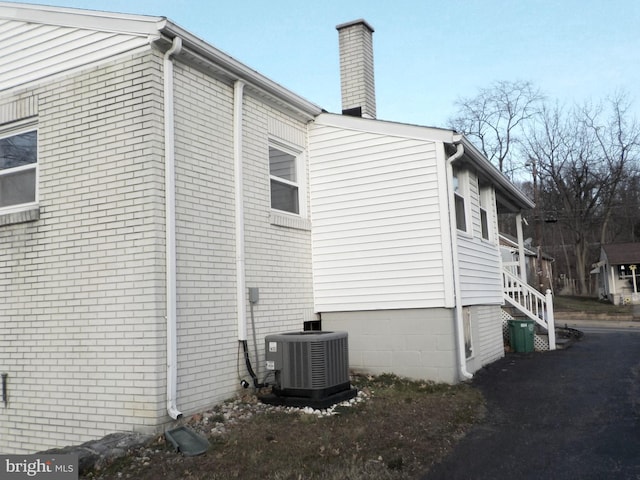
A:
[(619, 280), (539, 265), (148, 180)]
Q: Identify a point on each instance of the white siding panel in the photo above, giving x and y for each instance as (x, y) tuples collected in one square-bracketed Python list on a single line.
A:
[(31, 51), (377, 220), (480, 272), (490, 345)]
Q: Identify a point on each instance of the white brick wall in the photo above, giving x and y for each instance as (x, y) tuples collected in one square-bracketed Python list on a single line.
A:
[(207, 332), (356, 67), (82, 299), (81, 306), (278, 259)]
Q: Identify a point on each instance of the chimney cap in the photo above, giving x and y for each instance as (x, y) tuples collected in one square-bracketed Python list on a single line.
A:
[(355, 22)]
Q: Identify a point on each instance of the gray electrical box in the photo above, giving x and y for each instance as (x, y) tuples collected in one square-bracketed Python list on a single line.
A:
[(254, 294)]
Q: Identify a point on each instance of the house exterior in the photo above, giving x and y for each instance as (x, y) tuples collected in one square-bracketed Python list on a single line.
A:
[(405, 246), (148, 181), (406, 254), (134, 208), (618, 281)]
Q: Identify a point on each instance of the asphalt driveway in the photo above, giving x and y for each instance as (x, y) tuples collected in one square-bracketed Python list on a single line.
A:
[(568, 414)]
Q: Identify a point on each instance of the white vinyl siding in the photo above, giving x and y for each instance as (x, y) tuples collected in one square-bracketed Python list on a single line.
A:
[(377, 221), (480, 271), (51, 49), (489, 342), (479, 260)]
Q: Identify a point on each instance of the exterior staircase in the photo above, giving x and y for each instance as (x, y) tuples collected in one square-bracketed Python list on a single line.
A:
[(525, 301)]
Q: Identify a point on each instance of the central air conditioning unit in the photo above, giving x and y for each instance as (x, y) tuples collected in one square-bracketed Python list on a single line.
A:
[(311, 368)]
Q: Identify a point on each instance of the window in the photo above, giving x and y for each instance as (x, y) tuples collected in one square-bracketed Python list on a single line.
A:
[(18, 166), (627, 271), (461, 216), (285, 191), (485, 196), (468, 341)]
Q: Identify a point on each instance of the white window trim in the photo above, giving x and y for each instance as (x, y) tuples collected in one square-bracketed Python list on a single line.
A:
[(301, 176), (463, 187), (17, 128), (486, 205)]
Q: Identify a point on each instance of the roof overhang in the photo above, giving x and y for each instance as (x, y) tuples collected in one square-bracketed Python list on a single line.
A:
[(160, 31), (204, 55), (510, 199), (80, 18)]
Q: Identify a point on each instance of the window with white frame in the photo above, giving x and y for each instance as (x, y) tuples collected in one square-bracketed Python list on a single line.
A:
[(18, 167), (285, 176), (485, 202), (459, 191)]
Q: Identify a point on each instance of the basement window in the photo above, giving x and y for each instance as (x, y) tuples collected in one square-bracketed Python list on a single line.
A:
[(18, 168)]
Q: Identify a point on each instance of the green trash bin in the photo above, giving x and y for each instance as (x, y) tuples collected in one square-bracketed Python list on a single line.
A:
[(521, 335)]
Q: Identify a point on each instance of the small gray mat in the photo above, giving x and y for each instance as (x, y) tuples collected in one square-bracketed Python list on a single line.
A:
[(187, 441)]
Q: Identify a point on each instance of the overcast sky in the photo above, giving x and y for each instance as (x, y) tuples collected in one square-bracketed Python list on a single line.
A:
[(427, 53)]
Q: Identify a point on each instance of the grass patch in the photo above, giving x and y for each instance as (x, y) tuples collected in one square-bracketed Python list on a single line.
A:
[(569, 303), (398, 432)]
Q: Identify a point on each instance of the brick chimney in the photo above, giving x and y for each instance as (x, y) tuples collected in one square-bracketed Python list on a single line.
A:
[(356, 69)]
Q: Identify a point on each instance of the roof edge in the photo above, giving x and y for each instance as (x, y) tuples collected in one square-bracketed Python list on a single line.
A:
[(170, 30), (81, 18)]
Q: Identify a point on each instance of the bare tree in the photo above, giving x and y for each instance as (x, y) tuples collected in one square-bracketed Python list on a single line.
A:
[(617, 138), (584, 156), (495, 117)]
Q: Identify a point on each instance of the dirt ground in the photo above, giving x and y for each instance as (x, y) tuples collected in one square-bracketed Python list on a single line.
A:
[(394, 429)]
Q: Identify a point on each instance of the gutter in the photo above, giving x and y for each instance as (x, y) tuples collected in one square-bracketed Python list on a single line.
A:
[(235, 70), (170, 230), (462, 360)]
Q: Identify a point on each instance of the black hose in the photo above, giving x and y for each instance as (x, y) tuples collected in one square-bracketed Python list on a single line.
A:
[(247, 360)]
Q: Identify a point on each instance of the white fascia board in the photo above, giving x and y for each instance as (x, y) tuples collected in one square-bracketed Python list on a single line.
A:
[(156, 27), (384, 127), (89, 19)]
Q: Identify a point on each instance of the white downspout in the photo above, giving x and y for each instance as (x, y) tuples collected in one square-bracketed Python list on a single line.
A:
[(462, 359), (238, 95), (522, 259), (170, 226)]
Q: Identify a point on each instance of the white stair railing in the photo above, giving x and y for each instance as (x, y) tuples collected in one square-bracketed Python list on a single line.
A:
[(531, 303)]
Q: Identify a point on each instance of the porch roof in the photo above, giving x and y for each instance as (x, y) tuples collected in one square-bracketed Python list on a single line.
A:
[(622, 253)]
